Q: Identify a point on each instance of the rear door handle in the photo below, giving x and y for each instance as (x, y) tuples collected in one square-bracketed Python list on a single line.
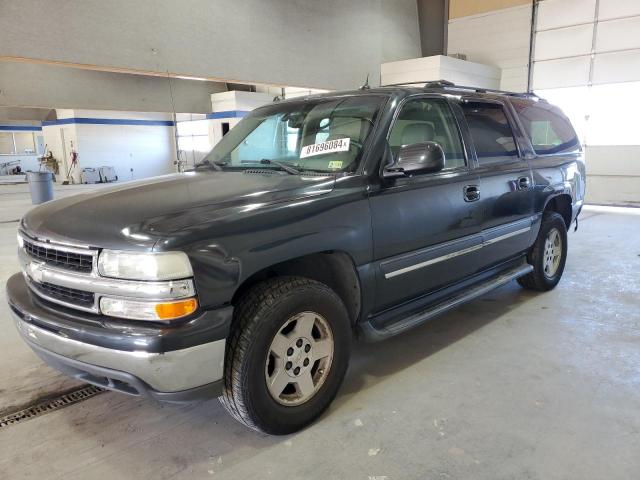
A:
[(471, 193), (524, 183)]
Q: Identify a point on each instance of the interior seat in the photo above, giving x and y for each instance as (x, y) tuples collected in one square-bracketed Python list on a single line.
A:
[(417, 133)]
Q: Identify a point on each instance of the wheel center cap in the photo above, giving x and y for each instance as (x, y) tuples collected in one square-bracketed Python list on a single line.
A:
[(298, 356)]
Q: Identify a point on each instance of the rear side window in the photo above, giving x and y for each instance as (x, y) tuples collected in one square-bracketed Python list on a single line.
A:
[(490, 131), (549, 130)]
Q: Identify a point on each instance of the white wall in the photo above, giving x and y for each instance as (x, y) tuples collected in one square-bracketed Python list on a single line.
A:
[(215, 128), (194, 137), (53, 137), (499, 38), (27, 162), (613, 175), (134, 151), (147, 149)]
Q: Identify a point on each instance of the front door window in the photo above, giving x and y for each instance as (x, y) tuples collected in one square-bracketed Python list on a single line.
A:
[(428, 120)]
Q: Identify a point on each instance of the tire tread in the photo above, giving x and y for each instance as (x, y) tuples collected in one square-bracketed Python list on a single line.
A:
[(250, 311), (535, 280)]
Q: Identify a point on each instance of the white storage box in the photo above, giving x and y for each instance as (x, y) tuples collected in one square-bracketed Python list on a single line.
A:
[(107, 174), (90, 175)]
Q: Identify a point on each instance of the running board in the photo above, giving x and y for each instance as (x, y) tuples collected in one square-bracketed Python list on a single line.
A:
[(372, 334)]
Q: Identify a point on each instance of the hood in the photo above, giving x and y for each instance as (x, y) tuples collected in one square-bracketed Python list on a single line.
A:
[(135, 215)]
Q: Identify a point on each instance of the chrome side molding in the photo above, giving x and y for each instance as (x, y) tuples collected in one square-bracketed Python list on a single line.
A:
[(463, 251)]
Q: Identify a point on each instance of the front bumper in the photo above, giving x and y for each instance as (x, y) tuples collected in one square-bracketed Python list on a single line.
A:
[(173, 364)]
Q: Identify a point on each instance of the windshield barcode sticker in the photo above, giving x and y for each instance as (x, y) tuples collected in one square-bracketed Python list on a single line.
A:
[(330, 146)]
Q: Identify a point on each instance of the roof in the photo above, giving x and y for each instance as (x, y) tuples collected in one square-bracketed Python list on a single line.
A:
[(439, 86), (446, 86)]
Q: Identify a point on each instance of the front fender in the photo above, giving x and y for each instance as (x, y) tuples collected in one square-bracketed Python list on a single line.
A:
[(227, 255)]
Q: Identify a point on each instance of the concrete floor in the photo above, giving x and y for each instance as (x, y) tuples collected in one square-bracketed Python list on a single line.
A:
[(516, 385), (23, 377)]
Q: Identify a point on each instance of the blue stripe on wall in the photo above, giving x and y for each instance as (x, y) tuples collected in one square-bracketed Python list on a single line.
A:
[(228, 114), (25, 128), (108, 121), (119, 121)]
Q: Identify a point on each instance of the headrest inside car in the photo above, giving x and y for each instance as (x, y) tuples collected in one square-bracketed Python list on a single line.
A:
[(417, 133)]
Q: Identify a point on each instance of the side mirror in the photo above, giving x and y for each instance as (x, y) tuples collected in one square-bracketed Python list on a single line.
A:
[(424, 157)]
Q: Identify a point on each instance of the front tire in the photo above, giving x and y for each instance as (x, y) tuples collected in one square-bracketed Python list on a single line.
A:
[(548, 254), (287, 354)]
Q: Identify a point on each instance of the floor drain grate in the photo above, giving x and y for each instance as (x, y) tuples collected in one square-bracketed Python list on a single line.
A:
[(50, 405)]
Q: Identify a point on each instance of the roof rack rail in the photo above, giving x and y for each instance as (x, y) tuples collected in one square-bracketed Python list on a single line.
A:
[(446, 84), (439, 84)]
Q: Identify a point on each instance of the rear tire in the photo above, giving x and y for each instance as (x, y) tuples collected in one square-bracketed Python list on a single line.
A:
[(287, 354), (548, 254)]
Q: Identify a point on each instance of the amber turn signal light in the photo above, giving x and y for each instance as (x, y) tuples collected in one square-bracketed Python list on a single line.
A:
[(169, 311)]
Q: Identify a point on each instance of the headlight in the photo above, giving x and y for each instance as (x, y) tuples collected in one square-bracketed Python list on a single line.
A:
[(144, 266), (20, 241), (141, 310)]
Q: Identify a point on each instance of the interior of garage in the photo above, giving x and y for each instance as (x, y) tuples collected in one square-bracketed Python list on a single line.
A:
[(512, 385)]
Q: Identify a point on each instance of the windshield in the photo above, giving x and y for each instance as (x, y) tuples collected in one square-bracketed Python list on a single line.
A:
[(320, 135)]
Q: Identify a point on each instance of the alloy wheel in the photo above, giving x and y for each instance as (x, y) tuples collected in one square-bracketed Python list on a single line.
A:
[(552, 253), (299, 359)]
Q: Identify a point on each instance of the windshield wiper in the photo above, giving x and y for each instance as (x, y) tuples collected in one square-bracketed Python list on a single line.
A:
[(323, 172), (287, 168), (208, 164)]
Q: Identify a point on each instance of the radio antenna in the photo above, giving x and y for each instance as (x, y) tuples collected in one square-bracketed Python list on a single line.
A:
[(175, 123), (366, 84)]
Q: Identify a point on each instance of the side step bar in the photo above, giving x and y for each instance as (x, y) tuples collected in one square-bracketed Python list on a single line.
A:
[(372, 334)]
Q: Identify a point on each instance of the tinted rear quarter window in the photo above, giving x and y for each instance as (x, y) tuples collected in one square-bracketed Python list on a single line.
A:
[(548, 129), (490, 131)]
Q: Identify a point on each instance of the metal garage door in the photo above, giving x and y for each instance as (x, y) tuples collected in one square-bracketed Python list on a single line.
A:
[(586, 58), (583, 42)]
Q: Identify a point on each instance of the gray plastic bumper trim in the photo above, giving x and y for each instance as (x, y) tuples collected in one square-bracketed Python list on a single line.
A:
[(173, 371)]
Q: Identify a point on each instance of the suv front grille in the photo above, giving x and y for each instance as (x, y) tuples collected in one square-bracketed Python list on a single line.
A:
[(60, 258), (67, 295)]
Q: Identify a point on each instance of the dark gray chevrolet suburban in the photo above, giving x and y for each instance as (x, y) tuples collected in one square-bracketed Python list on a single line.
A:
[(359, 213)]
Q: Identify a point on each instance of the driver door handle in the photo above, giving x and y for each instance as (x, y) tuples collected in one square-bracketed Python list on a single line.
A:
[(471, 193)]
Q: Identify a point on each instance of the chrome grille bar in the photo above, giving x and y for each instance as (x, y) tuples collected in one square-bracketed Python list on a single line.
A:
[(60, 258), (82, 289), (67, 257)]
